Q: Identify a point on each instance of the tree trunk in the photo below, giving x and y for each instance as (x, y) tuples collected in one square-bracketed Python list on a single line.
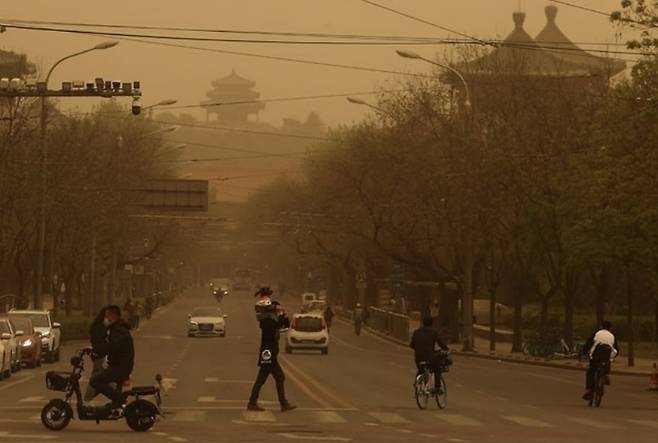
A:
[(492, 320), (629, 320), (449, 313), (543, 315), (568, 316), (519, 291), (467, 301), (655, 322)]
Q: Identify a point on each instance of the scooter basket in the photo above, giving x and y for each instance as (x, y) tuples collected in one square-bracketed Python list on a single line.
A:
[(57, 381)]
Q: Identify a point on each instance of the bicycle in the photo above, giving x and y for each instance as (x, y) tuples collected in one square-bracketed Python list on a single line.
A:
[(425, 384), (598, 389)]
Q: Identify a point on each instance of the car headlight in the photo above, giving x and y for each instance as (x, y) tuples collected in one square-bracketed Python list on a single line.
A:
[(45, 334), (27, 343)]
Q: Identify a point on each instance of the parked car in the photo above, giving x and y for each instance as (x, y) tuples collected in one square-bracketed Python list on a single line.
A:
[(206, 322), (11, 338), (308, 331), (49, 330), (316, 306), (5, 360), (30, 341)]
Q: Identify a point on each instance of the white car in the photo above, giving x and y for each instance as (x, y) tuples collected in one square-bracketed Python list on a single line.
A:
[(10, 337), (5, 360), (209, 322), (49, 330), (309, 332)]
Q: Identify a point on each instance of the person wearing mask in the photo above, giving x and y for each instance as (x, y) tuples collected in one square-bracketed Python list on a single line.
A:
[(97, 337), (601, 347), (424, 341), (120, 353), (271, 319)]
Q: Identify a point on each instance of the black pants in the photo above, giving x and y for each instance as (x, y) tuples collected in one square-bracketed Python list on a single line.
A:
[(591, 370), (102, 382), (275, 370)]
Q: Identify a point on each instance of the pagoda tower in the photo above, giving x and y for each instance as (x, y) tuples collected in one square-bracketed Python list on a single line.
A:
[(232, 99)]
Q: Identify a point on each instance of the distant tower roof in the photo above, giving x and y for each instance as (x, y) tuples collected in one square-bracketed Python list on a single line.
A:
[(233, 80), (236, 91), (553, 39)]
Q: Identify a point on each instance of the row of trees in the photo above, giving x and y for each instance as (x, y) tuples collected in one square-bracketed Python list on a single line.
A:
[(543, 191), (93, 231)]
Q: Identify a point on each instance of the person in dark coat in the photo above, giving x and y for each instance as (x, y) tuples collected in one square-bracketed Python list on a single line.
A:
[(424, 341), (268, 355), (120, 353), (328, 316), (97, 337)]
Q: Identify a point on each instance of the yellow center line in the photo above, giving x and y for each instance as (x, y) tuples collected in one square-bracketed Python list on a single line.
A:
[(302, 386)]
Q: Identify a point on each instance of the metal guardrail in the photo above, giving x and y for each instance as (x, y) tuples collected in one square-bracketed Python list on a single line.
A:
[(389, 323)]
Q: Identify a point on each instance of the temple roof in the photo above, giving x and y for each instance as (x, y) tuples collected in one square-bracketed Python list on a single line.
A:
[(233, 80)]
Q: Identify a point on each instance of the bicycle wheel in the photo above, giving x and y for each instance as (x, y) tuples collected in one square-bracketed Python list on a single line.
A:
[(441, 393), (420, 391), (599, 387)]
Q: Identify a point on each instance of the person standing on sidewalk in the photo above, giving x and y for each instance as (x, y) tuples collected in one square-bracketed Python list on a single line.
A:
[(268, 362)]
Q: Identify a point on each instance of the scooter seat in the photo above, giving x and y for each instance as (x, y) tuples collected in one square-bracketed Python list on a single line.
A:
[(144, 390)]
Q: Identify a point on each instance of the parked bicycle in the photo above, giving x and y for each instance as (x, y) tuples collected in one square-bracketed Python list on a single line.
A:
[(431, 383), (140, 414)]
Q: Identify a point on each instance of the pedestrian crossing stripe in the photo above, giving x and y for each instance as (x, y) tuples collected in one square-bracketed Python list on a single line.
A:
[(389, 418), (457, 420), (526, 421), (33, 400), (259, 416), (193, 416), (649, 423), (593, 423), (328, 417)]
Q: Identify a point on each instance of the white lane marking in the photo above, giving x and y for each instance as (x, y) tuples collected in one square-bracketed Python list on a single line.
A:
[(196, 416), (16, 420), (4, 434), (527, 421), (458, 420), (218, 380), (17, 382), (429, 435), (259, 416), (179, 439), (404, 431), (161, 434), (33, 400), (650, 423), (224, 400), (327, 417), (593, 423), (457, 440), (389, 418), (313, 437), (371, 424)]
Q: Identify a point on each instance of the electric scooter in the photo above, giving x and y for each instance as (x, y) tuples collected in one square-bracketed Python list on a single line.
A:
[(140, 414)]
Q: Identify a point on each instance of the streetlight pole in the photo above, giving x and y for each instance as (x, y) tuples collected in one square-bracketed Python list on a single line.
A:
[(38, 302)]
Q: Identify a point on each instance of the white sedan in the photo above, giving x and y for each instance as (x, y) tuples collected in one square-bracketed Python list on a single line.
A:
[(209, 322)]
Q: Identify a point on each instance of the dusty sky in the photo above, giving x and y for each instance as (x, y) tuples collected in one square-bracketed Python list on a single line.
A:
[(186, 74)]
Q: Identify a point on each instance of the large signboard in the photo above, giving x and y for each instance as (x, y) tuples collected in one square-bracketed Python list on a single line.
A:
[(173, 195)]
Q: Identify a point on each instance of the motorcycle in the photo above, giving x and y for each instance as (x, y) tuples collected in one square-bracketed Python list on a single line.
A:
[(140, 414)]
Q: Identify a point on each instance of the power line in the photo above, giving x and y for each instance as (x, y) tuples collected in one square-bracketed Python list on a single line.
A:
[(583, 8), (418, 19)]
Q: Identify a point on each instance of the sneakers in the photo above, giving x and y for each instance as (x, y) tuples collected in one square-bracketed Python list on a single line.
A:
[(587, 395), (254, 407), (288, 407)]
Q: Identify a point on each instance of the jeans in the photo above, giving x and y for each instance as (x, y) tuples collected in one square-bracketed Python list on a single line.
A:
[(265, 370), (102, 383), (90, 393)]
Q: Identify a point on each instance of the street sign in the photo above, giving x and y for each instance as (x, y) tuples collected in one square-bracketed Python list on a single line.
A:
[(173, 195)]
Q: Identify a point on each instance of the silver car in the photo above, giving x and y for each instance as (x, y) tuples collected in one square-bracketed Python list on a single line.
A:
[(210, 322)]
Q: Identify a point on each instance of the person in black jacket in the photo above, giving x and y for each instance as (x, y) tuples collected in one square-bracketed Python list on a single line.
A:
[(423, 343), (97, 337), (120, 353), (268, 355)]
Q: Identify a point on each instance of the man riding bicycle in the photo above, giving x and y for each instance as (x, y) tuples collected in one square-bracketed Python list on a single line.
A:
[(423, 343), (601, 348)]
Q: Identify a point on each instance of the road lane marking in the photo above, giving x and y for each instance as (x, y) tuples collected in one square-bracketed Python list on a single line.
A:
[(17, 382), (458, 420), (195, 416), (33, 400), (225, 400), (218, 380), (179, 439), (315, 383), (526, 421), (4, 434), (650, 423), (313, 437), (389, 418), (240, 408), (303, 387), (327, 417), (259, 416), (593, 423)]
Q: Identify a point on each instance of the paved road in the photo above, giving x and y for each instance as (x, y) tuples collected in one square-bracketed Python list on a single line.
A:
[(360, 392)]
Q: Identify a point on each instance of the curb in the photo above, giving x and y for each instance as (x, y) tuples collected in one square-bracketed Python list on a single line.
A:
[(511, 358)]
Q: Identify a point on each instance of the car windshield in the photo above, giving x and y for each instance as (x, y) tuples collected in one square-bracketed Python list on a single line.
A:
[(21, 324), (4, 327), (207, 312), (38, 320), (308, 324)]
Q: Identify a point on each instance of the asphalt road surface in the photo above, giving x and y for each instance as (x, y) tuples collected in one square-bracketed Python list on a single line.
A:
[(360, 392)]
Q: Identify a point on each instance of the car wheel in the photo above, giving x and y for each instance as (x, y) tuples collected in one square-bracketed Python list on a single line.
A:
[(325, 351)]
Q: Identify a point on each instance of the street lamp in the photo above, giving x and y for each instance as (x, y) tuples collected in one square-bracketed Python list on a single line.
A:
[(167, 102), (44, 161), (415, 56)]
